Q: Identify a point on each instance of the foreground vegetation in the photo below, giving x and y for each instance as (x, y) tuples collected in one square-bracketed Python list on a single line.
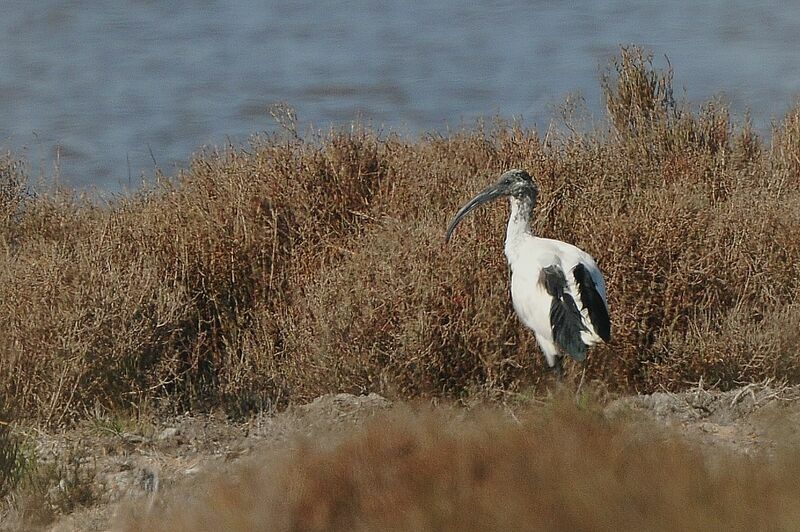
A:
[(556, 467), (269, 274)]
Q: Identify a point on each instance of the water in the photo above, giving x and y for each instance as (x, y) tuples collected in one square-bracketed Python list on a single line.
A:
[(106, 90)]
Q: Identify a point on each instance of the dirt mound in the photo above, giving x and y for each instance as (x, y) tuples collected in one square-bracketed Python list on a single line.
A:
[(756, 417)]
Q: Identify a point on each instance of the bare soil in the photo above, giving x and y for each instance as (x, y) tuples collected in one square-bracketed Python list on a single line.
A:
[(757, 418), (150, 461)]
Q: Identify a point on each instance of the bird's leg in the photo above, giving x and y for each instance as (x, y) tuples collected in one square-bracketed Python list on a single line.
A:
[(580, 384), (558, 368)]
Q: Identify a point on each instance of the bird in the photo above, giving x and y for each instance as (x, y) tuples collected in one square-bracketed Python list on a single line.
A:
[(557, 289)]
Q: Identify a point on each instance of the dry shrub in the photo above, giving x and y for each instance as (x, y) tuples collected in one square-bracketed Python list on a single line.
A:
[(12, 457), (558, 468), (291, 267), (149, 297), (12, 195), (785, 151), (431, 321), (728, 349), (638, 97), (648, 120), (402, 312)]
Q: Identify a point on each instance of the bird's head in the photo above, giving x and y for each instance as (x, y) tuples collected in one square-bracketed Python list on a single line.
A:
[(515, 183)]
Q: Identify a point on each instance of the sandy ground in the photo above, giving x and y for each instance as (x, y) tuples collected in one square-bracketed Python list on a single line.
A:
[(148, 462)]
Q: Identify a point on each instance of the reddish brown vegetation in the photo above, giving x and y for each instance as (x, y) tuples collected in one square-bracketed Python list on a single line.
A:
[(556, 468), (277, 271)]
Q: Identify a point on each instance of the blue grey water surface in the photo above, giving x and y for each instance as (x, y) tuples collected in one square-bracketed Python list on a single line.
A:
[(102, 88)]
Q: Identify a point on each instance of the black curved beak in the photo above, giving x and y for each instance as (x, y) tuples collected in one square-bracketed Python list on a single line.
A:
[(489, 194)]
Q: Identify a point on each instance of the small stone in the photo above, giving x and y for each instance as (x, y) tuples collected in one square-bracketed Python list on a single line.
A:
[(168, 433), (132, 438)]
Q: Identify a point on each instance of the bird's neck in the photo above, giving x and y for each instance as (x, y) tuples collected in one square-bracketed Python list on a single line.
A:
[(519, 224)]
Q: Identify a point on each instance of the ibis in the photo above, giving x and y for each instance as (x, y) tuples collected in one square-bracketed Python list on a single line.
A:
[(557, 290)]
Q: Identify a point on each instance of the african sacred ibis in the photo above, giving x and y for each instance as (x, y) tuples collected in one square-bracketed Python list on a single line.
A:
[(557, 289)]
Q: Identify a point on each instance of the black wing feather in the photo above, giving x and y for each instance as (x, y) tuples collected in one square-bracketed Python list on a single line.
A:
[(592, 302), (565, 318)]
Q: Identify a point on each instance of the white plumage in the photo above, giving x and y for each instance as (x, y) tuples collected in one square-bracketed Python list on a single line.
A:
[(556, 288)]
